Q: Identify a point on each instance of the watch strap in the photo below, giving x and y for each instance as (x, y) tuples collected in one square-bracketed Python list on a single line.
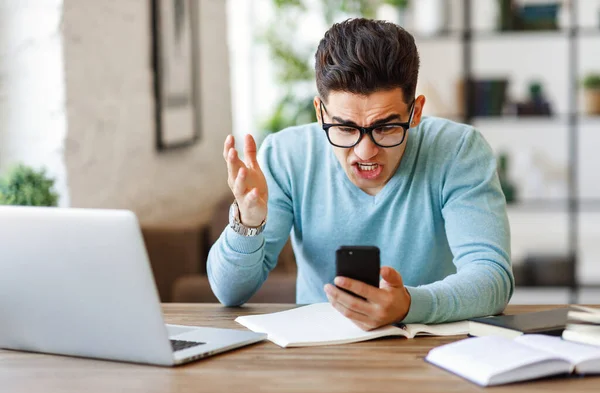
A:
[(238, 227)]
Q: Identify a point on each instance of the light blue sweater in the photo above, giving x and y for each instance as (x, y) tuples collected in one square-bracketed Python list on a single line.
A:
[(440, 221)]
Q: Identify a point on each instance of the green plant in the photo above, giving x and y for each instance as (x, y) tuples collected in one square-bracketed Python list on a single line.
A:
[(592, 81), (23, 185), (397, 3)]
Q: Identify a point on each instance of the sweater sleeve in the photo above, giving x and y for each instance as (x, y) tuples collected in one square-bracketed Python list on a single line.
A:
[(237, 265), (477, 228)]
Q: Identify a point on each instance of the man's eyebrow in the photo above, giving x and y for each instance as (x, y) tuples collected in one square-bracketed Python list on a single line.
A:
[(394, 116)]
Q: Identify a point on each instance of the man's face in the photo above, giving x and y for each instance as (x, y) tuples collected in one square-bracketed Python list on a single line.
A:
[(368, 165)]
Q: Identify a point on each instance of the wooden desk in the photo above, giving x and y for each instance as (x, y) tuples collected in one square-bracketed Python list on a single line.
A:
[(385, 365)]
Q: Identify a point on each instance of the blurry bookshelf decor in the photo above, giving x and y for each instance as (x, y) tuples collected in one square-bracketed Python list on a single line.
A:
[(542, 16), (591, 86), (537, 103), (487, 97), (176, 81), (508, 187)]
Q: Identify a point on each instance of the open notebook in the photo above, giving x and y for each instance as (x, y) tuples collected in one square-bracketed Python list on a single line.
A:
[(321, 324), (496, 360)]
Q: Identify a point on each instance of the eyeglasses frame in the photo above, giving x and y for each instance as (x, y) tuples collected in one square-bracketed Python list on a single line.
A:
[(366, 130)]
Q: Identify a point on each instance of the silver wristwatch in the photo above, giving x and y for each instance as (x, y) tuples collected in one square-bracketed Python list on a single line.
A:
[(236, 224)]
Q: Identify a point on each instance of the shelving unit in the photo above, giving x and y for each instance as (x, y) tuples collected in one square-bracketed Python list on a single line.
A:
[(566, 125)]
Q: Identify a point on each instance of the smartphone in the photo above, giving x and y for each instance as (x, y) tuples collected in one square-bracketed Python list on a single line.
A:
[(359, 263)]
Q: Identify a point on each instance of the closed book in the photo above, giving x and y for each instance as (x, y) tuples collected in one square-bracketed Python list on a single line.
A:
[(551, 322)]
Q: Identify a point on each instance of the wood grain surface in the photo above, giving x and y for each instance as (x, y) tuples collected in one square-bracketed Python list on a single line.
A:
[(383, 365)]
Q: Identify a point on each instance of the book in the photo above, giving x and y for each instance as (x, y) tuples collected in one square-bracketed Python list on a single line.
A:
[(321, 324), (497, 360), (551, 322), (584, 314), (583, 325)]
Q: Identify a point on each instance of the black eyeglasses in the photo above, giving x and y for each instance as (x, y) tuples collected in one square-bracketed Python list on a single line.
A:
[(350, 135)]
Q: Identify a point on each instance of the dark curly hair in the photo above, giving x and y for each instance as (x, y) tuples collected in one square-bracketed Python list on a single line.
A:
[(362, 56)]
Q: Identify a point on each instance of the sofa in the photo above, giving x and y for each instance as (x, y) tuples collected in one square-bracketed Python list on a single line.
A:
[(178, 255)]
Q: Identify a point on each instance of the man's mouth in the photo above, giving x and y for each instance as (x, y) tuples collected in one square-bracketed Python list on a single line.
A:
[(367, 167), (367, 170)]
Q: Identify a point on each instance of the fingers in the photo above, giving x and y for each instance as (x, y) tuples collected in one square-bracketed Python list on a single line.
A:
[(361, 320), (240, 189), (360, 288), (234, 164), (239, 185), (347, 300), (250, 151), (228, 144)]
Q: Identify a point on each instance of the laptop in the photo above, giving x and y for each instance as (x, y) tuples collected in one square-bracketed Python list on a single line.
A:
[(78, 282)]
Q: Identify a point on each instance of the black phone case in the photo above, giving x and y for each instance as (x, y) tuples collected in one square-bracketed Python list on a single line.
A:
[(359, 263)]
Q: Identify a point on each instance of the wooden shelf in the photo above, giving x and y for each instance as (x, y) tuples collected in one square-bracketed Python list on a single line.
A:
[(443, 36), (556, 206), (587, 31), (512, 34)]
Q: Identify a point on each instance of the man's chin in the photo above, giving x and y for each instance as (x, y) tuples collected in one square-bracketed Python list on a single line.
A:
[(366, 183)]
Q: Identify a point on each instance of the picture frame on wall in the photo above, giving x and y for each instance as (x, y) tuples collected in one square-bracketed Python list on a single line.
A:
[(175, 44)]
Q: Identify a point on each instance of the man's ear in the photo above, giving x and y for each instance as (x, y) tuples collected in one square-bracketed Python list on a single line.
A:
[(419, 105), (316, 103)]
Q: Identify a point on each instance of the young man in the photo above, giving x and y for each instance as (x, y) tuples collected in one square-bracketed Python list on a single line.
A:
[(372, 171)]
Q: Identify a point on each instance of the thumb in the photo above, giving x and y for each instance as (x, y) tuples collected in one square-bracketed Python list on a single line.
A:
[(390, 278)]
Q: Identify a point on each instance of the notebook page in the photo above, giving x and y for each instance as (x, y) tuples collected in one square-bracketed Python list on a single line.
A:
[(441, 329), (315, 324), (574, 353), (481, 358)]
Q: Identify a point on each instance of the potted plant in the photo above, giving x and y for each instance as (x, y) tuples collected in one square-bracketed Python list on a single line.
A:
[(26, 186), (591, 87)]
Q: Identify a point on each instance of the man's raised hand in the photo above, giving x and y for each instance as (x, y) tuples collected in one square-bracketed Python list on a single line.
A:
[(246, 181)]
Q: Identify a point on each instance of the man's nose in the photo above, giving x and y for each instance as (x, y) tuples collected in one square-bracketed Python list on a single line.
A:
[(366, 149)]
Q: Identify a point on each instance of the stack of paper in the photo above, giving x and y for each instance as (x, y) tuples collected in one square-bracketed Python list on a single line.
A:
[(583, 325)]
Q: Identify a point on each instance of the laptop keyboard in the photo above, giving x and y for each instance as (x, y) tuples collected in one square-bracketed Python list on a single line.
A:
[(179, 345)]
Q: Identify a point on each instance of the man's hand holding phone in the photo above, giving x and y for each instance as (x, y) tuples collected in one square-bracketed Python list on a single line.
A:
[(373, 307)]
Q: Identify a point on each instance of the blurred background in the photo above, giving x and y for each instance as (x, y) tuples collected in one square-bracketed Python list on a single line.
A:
[(126, 104)]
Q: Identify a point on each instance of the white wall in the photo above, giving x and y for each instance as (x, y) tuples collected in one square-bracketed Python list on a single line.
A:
[(32, 95), (110, 152)]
